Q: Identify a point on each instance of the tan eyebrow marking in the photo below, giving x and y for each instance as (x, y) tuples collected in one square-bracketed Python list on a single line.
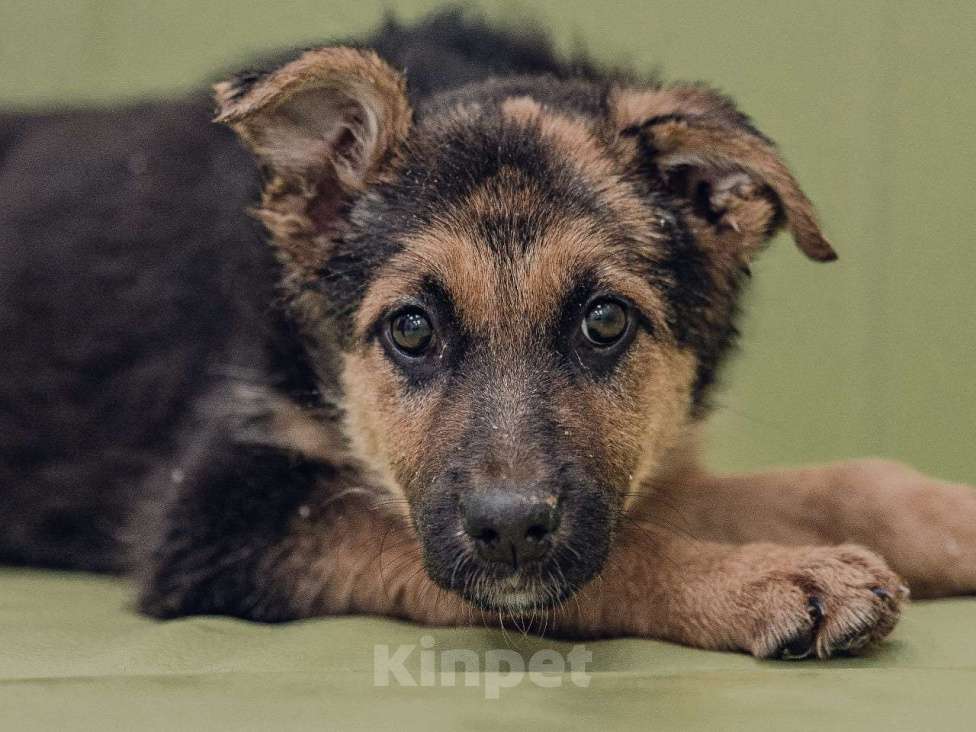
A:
[(467, 271), (534, 286), (579, 143)]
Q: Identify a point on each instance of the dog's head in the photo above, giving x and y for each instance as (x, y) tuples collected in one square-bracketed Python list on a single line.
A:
[(526, 287)]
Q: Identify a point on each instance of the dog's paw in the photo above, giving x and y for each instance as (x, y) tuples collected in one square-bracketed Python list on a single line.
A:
[(821, 602)]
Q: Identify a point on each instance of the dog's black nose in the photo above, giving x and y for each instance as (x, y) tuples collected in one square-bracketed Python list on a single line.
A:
[(508, 527)]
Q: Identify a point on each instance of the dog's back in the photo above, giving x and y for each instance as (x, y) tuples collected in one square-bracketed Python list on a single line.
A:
[(126, 268), (134, 288)]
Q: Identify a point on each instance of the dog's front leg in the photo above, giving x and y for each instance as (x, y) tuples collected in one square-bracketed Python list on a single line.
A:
[(265, 534), (925, 528), (769, 600), (766, 599), (327, 546)]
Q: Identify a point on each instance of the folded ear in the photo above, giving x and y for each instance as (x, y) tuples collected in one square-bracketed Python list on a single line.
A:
[(698, 148), (324, 127)]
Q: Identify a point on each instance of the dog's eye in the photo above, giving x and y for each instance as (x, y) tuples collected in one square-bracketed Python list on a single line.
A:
[(605, 322), (411, 331)]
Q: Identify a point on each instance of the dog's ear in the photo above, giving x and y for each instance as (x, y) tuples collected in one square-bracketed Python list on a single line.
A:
[(324, 128), (699, 149)]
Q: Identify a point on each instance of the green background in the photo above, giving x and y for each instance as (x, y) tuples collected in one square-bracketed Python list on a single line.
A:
[(874, 105)]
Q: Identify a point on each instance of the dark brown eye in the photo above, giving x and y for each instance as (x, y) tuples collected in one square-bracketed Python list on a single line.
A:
[(411, 331), (605, 322)]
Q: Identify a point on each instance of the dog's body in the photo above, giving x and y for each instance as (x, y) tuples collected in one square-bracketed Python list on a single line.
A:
[(465, 382)]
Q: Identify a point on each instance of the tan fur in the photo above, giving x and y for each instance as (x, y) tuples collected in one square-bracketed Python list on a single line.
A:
[(329, 80), (681, 144), (289, 427), (633, 105), (924, 527), (373, 399), (356, 555)]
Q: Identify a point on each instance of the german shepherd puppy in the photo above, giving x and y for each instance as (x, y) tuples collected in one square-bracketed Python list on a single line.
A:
[(463, 383)]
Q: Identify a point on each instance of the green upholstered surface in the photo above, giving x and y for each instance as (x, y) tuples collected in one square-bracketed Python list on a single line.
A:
[(73, 655)]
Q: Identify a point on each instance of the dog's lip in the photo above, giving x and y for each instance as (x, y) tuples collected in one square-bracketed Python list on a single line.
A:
[(519, 599)]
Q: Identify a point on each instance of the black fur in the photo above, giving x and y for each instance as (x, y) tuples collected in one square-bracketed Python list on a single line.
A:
[(121, 272), (138, 304)]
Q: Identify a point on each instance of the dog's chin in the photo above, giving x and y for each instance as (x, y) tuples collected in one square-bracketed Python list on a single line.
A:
[(518, 602), (515, 594)]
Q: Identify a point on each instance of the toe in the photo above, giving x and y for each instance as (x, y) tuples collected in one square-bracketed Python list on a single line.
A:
[(804, 643)]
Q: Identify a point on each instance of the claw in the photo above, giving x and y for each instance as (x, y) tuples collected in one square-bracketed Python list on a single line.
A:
[(815, 609), (803, 646), (798, 649), (852, 644)]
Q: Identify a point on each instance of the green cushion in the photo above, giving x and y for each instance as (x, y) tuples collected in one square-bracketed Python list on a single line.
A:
[(74, 655)]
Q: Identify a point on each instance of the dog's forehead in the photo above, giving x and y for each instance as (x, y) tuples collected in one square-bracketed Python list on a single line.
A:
[(510, 249), (515, 210)]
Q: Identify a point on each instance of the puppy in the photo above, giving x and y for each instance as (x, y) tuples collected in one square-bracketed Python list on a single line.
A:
[(462, 384)]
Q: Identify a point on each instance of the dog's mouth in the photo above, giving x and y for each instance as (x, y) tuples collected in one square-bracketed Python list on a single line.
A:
[(528, 587)]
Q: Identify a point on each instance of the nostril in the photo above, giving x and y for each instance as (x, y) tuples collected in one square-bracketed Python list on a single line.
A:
[(487, 536), (507, 526)]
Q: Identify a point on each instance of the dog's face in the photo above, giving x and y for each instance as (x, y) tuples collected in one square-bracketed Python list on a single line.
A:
[(527, 286), (511, 361)]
